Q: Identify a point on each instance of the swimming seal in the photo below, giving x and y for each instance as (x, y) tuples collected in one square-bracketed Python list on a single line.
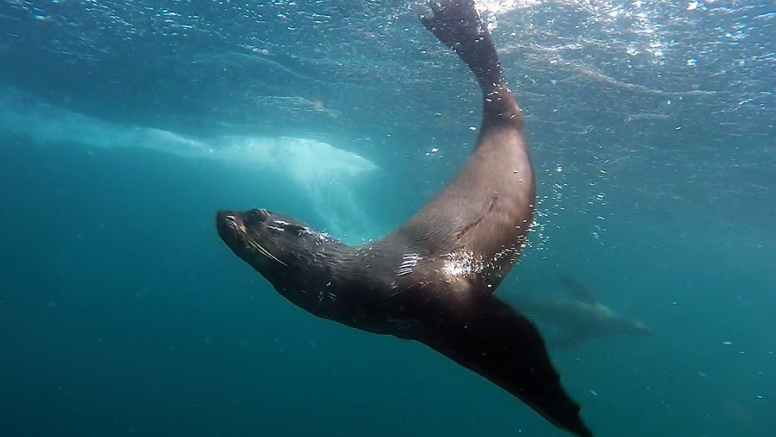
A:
[(432, 279), (580, 319)]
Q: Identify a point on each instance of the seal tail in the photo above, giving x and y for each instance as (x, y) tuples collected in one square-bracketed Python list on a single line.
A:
[(458, 25)]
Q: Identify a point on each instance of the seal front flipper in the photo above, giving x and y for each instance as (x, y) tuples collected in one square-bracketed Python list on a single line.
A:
[(457, 24), (492, 339), (484, 214), (578, 290)]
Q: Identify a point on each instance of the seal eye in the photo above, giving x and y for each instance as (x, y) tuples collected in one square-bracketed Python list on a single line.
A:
[(255, 216)]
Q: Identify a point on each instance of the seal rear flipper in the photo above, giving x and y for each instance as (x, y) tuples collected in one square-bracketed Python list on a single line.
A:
[(577, 289), (492, 339)]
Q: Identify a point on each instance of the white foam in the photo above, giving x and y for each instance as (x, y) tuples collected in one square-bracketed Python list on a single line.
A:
[(324, 173), (327, 176)]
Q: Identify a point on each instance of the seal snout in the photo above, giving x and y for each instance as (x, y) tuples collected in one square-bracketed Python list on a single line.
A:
[(223, 216), (236, 224), (228, 223)]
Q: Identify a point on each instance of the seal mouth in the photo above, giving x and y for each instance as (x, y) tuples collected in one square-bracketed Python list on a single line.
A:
[(233, 229)]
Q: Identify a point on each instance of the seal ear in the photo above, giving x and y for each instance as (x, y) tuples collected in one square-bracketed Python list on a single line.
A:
[(490, 338)]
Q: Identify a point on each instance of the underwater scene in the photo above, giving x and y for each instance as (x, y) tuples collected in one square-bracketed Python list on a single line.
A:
[(649, 269)]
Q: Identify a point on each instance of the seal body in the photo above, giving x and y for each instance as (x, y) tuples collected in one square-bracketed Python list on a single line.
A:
[(580, 319), (432, 279)]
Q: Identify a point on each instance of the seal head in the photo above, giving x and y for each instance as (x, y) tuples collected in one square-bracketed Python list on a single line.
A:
[(287, 252), (270, 242)]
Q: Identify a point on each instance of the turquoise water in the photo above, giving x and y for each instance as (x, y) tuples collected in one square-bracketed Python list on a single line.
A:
[(125, 125)]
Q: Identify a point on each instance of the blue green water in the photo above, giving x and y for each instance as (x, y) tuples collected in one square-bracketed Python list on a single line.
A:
[(125, 125)]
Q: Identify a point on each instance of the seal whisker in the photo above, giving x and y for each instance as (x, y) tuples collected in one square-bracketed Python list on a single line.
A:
[(259, 248)]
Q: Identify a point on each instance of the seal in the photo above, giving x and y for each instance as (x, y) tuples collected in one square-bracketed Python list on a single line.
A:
[(580, 318), (433, 279)]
